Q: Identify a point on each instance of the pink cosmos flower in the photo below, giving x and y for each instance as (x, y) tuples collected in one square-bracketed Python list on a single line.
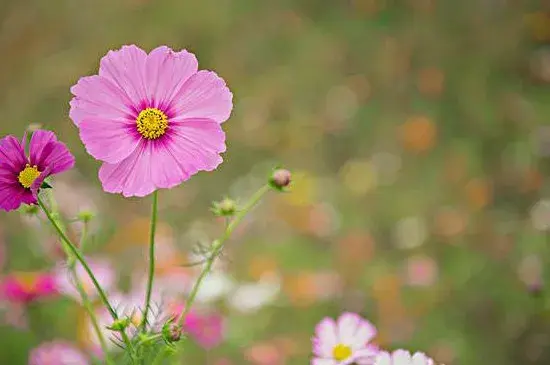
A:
[(153, 119), (57, 353), (22, 176), (102, 269), (26, 287), (344, 342), (402, 357), (207, 329)]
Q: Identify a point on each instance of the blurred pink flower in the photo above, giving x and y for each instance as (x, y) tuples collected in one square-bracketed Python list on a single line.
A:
[(20, 175), (402, 357), (265, 354), (57, 353), (24, 287), (421, 271), (102, 269), (207, 329), (344, 341), (153, 119)]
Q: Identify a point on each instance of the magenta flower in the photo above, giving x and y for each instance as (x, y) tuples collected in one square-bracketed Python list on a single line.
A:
[(345, 341), (57, 353), (153, 119), (207, 329), (22, 176), (402, 357), (26, 287)]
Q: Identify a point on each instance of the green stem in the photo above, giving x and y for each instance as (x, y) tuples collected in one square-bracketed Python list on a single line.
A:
[(76, 253), (152, 233), (86, 300), (217, 247)]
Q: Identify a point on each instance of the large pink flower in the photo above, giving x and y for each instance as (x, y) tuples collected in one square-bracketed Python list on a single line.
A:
[(402, 357), (22, 176), (345, 341), (153, 119)]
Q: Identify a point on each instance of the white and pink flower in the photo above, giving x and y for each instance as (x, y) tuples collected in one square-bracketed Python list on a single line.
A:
[(402, 357), (345, 341)]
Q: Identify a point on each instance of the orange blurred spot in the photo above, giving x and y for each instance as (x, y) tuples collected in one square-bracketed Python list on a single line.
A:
[(539, 25), (532, 181), (360, 86), (418, 134), (353, 252), (262, 265), (450, 222), (455, 167), (300, 289), (478, 193), (369, 7), (431, 82), (387, 288)]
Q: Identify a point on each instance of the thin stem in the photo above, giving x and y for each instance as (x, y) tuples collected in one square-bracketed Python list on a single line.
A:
[(76, 253), (217, 247), (86, 300), (152, 233)]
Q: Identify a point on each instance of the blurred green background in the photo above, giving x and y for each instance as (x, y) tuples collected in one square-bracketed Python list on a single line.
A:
[(418, 133)]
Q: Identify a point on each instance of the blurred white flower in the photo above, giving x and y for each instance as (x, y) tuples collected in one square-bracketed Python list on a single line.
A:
[(215, 286), (410, 232), (250, 297), (540, 215)]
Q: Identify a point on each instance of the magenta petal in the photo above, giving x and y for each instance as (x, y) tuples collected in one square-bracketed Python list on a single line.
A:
[(97, 97), (47, 152), (166, 72), (12, 196), (12, 154), (107, 140), (204, 95), (132, 176), (126, 69)]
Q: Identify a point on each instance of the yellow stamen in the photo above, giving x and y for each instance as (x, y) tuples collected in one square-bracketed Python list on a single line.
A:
[(152, 123), (341, 352), (28, 176)]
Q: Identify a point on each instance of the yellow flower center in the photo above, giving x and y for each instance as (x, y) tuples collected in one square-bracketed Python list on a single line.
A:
[(27, 281), (28, 176), (152, 123), (136, 318), (341, 352)]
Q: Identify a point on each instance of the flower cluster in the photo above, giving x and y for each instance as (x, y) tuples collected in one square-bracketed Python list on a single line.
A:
[(348, 340)]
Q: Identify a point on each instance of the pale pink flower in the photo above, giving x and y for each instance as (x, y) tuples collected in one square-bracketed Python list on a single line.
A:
[(153, 119), (345, 341), (57, 353), (402, 357), (103, 272)]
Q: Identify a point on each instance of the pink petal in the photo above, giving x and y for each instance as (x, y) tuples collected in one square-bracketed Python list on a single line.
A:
[(192, 145), (383, 358), (365, 333), (97, 97), (420, 358), (48, 153), (325, 338), (323, 362), (126, 69), (108, 140), (401, 357), (348, 324), (132, 176), (204, 95), (366, 355), (12, 155), (166, 72)]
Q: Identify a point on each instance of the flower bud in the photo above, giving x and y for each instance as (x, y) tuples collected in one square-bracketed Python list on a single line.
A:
[(85, 216), (280, 179), (120, 324), (225, 208), (171, 332)]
